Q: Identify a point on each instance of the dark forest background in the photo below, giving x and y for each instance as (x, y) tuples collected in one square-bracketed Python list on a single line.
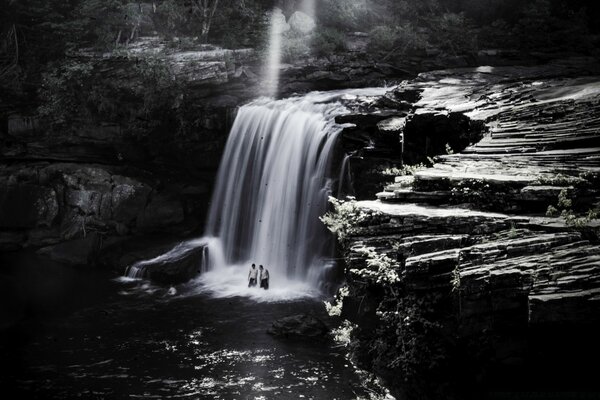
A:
[(37, 34)]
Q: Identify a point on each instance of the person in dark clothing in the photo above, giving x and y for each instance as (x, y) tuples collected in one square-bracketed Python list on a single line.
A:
[(264, 277), (252, 275)]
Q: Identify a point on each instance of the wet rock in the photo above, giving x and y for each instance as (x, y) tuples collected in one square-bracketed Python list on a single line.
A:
[(301, 327), (127, 253)]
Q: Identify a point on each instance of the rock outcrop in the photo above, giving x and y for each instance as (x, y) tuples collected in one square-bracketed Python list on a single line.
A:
[(45, 204), (458, 281)]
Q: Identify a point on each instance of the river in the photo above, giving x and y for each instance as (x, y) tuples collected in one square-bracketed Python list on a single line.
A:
[(75, 333)]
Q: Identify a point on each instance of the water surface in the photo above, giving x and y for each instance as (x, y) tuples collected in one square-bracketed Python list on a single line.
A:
[(72, 333)]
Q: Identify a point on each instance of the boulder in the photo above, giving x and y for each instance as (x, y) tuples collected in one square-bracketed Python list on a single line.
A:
[(302, 23), (178, 270), (302, 326)]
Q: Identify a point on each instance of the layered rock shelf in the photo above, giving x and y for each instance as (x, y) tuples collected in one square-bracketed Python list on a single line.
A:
[(459, 273)]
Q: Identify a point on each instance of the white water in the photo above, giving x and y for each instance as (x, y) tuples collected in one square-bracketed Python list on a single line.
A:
[(272, 186)]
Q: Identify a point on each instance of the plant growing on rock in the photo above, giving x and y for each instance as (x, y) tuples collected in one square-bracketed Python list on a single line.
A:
[(343, 333), (380, 270), (480, 194), (327, 41), (399, 39), (408, 341), (344, 218), (405, 170), (564, 208), (335, 308)]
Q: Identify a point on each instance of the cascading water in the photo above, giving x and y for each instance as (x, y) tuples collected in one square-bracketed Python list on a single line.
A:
[(272, 187)]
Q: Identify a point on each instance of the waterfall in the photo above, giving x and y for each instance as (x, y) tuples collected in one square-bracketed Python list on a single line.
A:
[(272, 186)]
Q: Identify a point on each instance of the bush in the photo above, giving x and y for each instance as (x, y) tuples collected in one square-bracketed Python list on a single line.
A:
[(382, 38), (541, 27), (78, 90), (403, 38), (294, 48), (328, 41), (453, 33), (343, 14)]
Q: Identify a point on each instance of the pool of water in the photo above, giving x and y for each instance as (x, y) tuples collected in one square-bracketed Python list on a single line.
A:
[(74, 333)]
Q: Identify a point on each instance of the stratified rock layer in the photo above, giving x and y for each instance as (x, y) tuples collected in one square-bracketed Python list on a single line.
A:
[(479, 290)]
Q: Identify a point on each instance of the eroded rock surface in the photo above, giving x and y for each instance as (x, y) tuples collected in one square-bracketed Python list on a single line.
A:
[(457, 279)]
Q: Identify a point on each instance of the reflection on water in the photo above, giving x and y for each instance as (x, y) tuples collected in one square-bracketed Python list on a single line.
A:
[(141, 341)]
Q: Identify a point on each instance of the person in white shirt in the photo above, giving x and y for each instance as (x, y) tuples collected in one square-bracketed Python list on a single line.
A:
[(264, 277), (252, 275)]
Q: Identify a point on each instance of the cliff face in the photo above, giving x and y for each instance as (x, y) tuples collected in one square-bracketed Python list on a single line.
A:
[(81, 177), (461, 280), (118, 146)]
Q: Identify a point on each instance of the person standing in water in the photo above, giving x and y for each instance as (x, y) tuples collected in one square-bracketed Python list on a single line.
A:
[(252, 275), (264, 277)]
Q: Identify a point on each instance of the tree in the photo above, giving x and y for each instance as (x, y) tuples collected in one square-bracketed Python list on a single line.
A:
[(204, 11)]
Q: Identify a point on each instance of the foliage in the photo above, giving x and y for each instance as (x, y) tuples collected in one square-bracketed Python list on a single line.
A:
[(118, 22), (78, 90), (335, 308), (453, 33), (294, 48), (381, 269), (345, 15), (564, 201), (407, 339), (227, 22), (343, 334), (543, 25), (327, 41), (406, 170), (564, 207), (399, 38), (65, 91), (480, 193), (382, 38), (345, 217), (560, 180)]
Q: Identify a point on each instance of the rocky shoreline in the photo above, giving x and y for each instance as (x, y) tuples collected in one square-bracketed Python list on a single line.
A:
[(461, 273)]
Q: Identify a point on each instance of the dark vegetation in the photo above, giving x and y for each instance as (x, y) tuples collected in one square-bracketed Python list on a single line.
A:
[(36, 35), (460, 26), (39, 39)]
